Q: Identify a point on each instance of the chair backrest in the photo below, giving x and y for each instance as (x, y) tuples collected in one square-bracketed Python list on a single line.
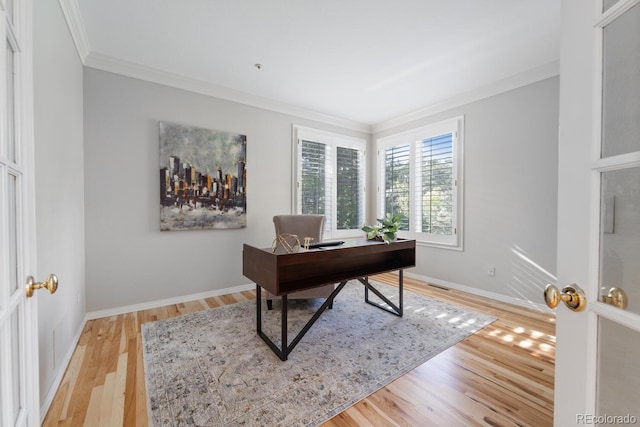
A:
[(300, 225)]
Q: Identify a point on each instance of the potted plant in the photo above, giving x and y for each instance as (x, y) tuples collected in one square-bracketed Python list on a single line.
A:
[(386, 228)]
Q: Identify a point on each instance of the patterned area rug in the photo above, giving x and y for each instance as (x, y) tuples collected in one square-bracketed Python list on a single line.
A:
[(211, 369)]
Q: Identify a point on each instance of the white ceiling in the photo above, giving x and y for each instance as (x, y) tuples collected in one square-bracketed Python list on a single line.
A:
[(367, 61)]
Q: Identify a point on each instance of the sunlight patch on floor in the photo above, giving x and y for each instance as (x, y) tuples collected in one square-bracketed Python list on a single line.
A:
[(545, 347), (525, 344), (536, 334)]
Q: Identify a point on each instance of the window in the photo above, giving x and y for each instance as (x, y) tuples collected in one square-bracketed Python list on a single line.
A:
[(420, 177), (329, 180)]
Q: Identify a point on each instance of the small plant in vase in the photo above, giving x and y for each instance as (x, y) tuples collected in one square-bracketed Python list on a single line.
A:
[(386, 228)]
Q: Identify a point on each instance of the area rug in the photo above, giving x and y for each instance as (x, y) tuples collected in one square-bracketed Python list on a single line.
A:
[(211, 369)]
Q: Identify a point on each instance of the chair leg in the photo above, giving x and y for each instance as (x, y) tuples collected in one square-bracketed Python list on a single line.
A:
[(269, 304), (331, 305)]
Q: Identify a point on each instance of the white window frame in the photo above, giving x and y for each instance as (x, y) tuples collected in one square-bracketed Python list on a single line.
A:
[(414, 138), (332, 141)]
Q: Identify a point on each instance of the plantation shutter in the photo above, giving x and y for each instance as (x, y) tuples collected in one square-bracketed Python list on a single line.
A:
[(396, 185), (329, 180), (316, 179), (349, 185), (435, 185), (421, 178)]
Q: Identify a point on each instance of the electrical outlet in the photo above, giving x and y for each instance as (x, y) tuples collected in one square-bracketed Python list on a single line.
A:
[(491, 271)]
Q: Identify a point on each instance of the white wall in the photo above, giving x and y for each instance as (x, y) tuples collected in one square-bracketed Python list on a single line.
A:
[(128, 260), (510, 194), (59, 188)]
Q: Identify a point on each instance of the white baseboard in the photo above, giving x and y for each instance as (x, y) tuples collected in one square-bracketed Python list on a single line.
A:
[(161, 303), (482, 293), (62, 368)]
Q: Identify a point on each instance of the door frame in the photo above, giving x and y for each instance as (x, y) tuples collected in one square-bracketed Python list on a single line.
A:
[(32, 359), (26, 220)]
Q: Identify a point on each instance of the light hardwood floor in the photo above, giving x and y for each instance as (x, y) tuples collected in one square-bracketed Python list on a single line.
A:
[(501, 376)]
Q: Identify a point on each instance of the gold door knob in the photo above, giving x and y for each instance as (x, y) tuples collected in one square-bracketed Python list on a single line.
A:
[(572, 295), (616, 296), (51, 284)]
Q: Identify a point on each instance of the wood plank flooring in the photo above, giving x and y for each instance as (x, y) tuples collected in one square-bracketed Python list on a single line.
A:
[(501, 376)]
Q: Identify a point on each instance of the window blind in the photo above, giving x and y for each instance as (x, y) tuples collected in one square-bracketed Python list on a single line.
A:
[(421, 178), (396, 184), (434, 182), (330, 173), (350, 181), (315, 183)]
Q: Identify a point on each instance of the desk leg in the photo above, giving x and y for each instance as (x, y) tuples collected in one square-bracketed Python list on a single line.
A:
[(283, 351), (395, 309), (400, 282), (259, 309), (283, 318)]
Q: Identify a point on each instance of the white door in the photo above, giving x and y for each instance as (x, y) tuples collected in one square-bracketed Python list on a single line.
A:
[(598, 349), (18, 325)]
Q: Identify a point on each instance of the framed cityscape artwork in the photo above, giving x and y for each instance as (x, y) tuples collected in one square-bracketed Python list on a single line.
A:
[(203, 179)]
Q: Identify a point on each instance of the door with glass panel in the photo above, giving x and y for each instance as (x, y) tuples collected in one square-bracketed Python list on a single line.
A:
[(19, 399), (598, 303), (618, 170)]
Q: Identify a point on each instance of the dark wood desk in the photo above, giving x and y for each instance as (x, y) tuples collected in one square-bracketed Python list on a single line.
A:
[(282, 273)]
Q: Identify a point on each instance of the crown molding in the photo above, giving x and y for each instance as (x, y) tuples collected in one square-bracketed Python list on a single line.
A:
[(533, 75), (72, 15), (92, 59), (153, 75)]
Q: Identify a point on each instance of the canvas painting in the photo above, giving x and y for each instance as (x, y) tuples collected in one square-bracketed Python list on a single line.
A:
[(203, 178)]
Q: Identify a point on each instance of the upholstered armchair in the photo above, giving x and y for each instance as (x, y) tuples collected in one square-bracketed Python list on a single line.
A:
[(302, 226)]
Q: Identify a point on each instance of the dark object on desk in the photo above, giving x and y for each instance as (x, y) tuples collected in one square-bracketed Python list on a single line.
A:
[(323, 244)]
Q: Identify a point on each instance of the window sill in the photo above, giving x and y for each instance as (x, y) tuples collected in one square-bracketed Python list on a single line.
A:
[(425, 244)]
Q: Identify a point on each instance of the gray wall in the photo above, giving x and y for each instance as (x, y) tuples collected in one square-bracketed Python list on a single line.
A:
[(510, 194), (128, 260), (59, 188)]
